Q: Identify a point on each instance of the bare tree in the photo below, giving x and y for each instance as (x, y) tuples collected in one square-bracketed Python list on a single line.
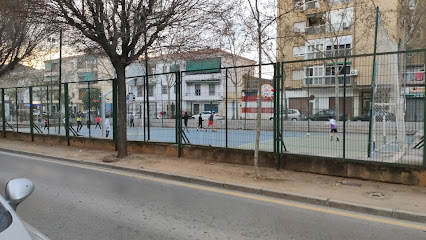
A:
[(413, 23), (234, 37), (125, 30), (260, 24), (20, 33), (263, 17)]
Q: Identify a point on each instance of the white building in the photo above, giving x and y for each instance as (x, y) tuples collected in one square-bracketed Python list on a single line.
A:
[(78, 71), (203, 82)]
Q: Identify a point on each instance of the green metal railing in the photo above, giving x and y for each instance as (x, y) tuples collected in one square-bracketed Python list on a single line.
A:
[(280, 135)]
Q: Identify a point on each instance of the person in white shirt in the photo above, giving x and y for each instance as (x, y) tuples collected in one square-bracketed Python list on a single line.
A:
[(107, 127), (333, 128)]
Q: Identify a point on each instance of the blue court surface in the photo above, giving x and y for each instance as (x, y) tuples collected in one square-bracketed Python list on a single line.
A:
[(318, 143)]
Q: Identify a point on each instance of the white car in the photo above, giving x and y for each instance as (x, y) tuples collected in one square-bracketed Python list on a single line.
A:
[(11, 226), (293, 114)]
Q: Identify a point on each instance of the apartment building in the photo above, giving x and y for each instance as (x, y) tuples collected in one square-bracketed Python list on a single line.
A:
[(203, 83), (315, 29), (78, 71)]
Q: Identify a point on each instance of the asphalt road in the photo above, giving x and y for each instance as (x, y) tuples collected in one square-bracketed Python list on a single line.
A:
[(73, 201)]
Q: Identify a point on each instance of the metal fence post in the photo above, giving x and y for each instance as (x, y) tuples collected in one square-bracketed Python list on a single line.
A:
[(282, 104), (277, 97), (114, 111), (226, 109), (31, 114), (16, 109), (275, 132), (179, 113), (47, 109), (67, 114), (344, 108), (176, 108), (424, 117), (89, 108), (147, 103), (373, 89), (3, 106), (144, 110), (276, 115)]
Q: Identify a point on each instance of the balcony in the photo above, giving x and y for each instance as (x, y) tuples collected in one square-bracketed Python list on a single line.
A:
[(314, 55), (203, 96), (311, 5), (417, 77), (326, 81), (338, 52), (315, 29), (304, 5)]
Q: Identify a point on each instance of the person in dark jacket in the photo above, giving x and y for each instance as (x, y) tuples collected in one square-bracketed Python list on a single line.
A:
[(185, 121), (200, 123)]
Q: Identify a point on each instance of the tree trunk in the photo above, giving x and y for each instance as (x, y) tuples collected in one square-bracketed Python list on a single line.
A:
[(336, 90), (121, 111)]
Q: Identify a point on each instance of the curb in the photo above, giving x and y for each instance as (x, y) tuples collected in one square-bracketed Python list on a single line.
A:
[(323, 202)]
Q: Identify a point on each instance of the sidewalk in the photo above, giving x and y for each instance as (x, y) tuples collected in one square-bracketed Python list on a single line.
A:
[(354, 192)]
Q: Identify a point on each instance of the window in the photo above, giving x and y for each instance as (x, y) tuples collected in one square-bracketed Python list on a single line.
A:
[(331, 72), (163, 89), (86, 63), (414, 73), (174, 68), (151, 90), (81, 92), (140, 92), (55, 67), (338, 50), (340, 19), (197, 90), (51, 66), (316, 24), (151, 69), (339, 1), (316, 20), (314, 75), (299, 27), (51, 79), (212, 89), (311, 4), (299, 51), (412, 4), (314, 50), (298, 75)]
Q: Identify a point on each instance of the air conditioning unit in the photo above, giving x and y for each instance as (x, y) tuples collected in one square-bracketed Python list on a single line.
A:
[(354, 72)]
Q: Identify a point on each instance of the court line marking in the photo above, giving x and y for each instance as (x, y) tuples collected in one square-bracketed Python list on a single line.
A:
[(235, 194)]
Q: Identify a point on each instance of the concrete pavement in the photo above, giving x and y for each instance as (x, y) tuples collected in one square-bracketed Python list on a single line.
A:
[(77, 201), (398, 201)]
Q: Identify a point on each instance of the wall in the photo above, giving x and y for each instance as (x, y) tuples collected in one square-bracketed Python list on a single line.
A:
[(382, 172)]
